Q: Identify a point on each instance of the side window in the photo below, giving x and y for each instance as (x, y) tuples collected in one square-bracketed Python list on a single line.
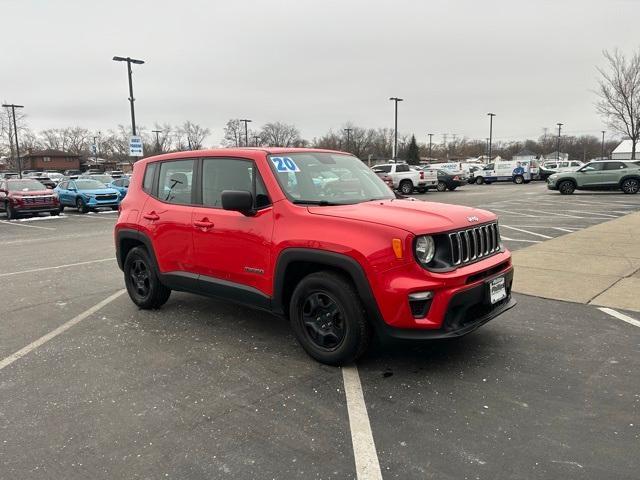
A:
[(64, 185), (402, 168), (382, 169), (593, 167), (117, 183), (575, 164), (219, 174), (176, 182), (125, 182), (147, 183), (614, 165)]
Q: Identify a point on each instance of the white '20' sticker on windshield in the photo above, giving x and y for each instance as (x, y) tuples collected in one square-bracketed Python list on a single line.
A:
[(285, 164)]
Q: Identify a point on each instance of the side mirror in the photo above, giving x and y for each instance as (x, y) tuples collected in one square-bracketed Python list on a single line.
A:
[(237, 201)]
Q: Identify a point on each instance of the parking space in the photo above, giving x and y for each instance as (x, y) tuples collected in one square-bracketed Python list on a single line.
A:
[(205, 389)]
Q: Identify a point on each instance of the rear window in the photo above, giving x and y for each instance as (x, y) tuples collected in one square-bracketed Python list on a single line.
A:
[(382, 169)]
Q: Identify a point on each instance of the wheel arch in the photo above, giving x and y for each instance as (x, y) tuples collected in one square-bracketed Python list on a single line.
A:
[(293, 264), (634, 176), (127, 239)]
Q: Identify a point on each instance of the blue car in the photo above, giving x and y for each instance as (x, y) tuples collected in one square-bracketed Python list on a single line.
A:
[(120, 184), (86, 194)]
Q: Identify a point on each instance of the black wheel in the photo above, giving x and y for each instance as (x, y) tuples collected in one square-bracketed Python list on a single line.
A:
[(12, 213), (630, 185), (143, 284), (406, 187), (567, 187), (82, 208), (328, 318), (451, 189), (519, 179), (480, 180), (54, 213), (61, 208), (442, 187)]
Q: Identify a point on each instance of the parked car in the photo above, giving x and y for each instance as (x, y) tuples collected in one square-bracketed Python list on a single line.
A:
[(516, 171), (115, 173), (599, 175), (33, 174), (68, 173), (87, 194), (46, 181), (106, 179), (448, 180), (340, 263), (94, 171), (26, 197), (54, 176), (550, 167), (120, 184), (9, 175), (406, 179)]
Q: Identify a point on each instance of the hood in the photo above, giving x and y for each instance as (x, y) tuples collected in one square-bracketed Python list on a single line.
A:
[(413, 216), (100, 191), (32, 193)]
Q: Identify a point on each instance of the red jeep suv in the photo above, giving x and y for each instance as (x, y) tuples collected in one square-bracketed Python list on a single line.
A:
[(314, 236)]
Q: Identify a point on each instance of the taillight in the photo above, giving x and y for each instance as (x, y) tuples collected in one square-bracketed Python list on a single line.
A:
[(421, 175)]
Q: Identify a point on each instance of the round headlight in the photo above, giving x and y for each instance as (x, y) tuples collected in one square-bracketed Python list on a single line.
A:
[(425, 249)]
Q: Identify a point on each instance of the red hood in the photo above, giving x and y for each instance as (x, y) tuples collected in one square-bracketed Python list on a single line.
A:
[(32, 193), (416, 217)]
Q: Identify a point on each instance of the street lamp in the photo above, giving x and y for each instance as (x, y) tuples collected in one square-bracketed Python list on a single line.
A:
[(602, 149), (430, 142), (129, 61), (558, 143), (348, 130), (157, 132), (491, 115), (395, 128), (246, 131), (13, 107)]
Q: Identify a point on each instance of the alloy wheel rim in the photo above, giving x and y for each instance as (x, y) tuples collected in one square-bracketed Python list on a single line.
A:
[(632, 186), (140, 278), (323, 320)]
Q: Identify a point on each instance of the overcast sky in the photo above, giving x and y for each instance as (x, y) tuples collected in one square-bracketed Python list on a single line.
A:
[(316, 64)]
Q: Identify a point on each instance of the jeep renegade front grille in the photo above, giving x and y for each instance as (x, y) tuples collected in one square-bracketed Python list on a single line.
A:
[(473, 244)]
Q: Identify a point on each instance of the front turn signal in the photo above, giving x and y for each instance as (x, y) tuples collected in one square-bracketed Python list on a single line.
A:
[(396, 243)]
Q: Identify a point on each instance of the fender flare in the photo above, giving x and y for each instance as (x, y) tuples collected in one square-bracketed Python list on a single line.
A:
[(627, 177), (130, 234)]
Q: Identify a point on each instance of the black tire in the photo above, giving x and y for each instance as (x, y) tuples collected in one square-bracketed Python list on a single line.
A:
[(630, 186), (480, 180), (518, 179), (566, 187), (142, 282), (12, 213), (54, 213), (451, 189), (442, 187), (114, 208), (423, 190), (82, 208), (61, 208), (406, 187), (340, 333)]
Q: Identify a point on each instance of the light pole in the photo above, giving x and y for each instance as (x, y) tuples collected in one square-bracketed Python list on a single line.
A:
[(558, 143), (129, 61), (13, 107), (486, 147), (602, 149), (95, 148), (395, 128), (430, 142), (157, 132), (348, 130), (491, 115), (246, 131)]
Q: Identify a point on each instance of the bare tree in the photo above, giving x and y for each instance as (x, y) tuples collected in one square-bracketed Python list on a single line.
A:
[(619, 92), (278, 134), (233, 133), (191, 136)]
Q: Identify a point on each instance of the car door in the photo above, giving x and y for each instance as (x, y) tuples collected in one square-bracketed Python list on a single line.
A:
[(166, 218), (230, 246), (591, 175), (63, 193), (613, 172)]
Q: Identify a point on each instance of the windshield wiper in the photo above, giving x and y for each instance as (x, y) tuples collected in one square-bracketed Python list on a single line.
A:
[(321, 203)]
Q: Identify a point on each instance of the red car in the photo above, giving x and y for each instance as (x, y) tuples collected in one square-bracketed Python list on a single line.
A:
[(264, 227), (26, 196)]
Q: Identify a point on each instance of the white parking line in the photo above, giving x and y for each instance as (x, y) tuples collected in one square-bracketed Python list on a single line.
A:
[(563, 229), (61, 329), (555, 214), (526, 231), (7, 222), (620, 316), (520, 214), (364, 448), (519, 240), (56, 267)]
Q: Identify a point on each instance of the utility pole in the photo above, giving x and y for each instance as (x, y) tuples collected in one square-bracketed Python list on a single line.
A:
[(255, 139), (395, 128), (129, 61), (430, 142), (491, 115), (95, 148), (558, 143), (486, 148), (348, 130), (13, 107), (157, 132), (602, 149), (246, 131)]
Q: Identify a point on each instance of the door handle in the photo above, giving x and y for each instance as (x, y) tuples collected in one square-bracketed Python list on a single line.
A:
[(151, 216), (204, 223)]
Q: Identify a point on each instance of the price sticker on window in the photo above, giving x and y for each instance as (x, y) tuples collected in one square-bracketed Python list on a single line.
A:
[(285, 165)]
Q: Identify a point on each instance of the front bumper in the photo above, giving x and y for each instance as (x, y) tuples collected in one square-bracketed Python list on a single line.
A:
[(552, 185), (94, 203)]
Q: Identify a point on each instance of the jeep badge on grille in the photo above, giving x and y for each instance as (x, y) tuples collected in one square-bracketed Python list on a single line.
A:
[(473, 219)]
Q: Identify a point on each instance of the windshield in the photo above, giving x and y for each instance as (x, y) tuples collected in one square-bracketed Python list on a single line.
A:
[(89, 184), (102, 178), (327, 179), (25, 186)]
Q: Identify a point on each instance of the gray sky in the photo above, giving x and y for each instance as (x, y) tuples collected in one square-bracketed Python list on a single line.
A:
[(316, 64)]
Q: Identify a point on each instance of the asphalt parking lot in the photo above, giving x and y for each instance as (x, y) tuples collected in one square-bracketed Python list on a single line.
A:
[(204, 389)]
